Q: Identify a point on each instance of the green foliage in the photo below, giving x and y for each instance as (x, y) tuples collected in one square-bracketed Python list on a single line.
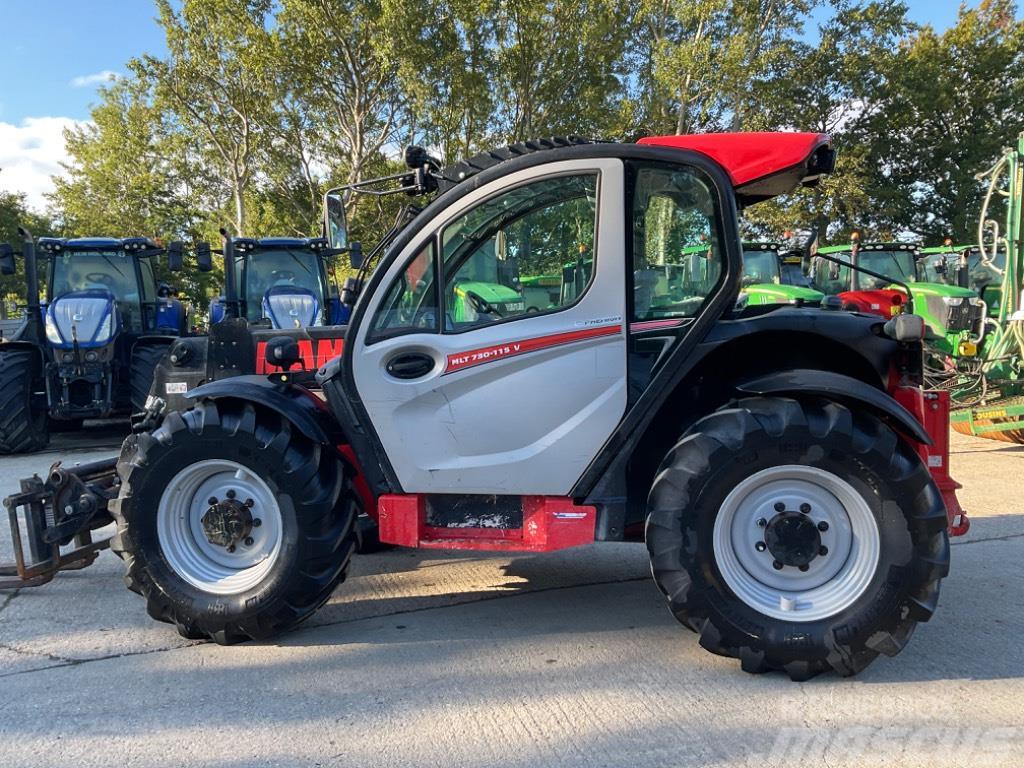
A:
[(952, 102), (259, 106), (14, 213)]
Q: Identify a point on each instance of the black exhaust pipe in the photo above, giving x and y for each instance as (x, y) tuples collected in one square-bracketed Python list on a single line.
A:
[(231, 309), (34, 330)]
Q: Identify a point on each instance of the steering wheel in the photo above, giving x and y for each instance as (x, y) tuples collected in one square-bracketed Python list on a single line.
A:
[(285, 275), (481, 306), (100, 277)]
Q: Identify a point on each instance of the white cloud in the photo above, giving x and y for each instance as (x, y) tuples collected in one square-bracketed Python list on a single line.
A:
[(97, 78), (30, 153)]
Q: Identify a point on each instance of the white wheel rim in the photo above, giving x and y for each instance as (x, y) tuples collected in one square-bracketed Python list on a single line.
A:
[(205, 565), (831, 582)]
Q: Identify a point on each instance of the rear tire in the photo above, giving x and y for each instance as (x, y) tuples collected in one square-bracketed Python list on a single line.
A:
[(714, 529), (288, 564), (23, 427), (145, 359)]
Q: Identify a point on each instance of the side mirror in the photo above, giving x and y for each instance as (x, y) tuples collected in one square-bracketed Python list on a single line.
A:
[(175, 256), (6, 259), (355, 255), (204, 257), (335, 225)]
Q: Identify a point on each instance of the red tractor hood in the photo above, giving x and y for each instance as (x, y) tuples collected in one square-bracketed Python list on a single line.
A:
[(760, 165)]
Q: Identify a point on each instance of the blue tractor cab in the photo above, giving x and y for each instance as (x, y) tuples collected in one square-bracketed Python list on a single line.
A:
[(279, 282), (89, 349)]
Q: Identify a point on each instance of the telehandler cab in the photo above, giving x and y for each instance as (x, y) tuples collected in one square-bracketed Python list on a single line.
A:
[(784, 466)]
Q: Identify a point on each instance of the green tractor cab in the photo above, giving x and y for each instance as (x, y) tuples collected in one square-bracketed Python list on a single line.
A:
[(763, 280), (540, 292), (472, 299), (954, 316), (966, 266)]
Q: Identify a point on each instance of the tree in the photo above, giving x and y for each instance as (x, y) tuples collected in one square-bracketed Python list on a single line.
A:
[(14, 212), (950, 107), (835, 87), (217, 86), (128, 173), (706, 65), (559, 67)]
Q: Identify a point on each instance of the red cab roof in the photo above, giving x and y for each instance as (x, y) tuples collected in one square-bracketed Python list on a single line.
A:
[(751, 159)]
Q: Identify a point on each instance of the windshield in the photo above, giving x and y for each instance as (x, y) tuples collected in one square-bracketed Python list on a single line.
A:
[(266, 269), (111, 271), (899, 265), (761, 266), (793, 274), (984, 273)]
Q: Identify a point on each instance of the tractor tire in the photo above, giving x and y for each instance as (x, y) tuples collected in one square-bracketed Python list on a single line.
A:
[(368, 536), (284, 496), (145, 359), (747, 509), (23, 428)]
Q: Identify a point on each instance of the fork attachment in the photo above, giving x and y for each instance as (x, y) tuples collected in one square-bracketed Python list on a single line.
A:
[(61, 511)]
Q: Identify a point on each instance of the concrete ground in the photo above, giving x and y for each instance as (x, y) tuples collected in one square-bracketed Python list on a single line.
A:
[(476, 660)]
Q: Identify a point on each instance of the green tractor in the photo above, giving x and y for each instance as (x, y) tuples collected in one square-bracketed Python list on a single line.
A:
[(954, 316), (541, 292), (969, 266), (991, 391), (764, 282)]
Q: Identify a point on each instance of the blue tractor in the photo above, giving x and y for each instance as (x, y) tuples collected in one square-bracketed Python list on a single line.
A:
[(282, 282), (88, 350)]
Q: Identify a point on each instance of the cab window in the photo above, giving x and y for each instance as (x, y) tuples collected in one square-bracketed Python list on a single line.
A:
[(677, 256), (410, 304), (526, 251)]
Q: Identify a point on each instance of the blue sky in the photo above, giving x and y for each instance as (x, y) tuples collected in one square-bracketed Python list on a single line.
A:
[(58, 51)]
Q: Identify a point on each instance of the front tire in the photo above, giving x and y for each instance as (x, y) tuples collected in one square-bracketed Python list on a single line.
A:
[(797, 536), (222, 575), (145, 359), (24, 427)]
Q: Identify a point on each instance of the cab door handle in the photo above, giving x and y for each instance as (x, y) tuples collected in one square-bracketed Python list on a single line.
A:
[(410, 365)]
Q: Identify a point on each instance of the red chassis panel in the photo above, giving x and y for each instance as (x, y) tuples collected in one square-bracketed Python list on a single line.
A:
[(549, 523), (931, 409)]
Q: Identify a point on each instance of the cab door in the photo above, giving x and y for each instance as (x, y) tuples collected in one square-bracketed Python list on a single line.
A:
[(467, 388)]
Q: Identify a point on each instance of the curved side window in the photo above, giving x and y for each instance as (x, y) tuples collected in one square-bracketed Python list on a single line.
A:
[(677, 259), (526, 251), (410, 305)]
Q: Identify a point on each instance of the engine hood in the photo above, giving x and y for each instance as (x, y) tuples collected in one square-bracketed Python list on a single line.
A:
[(780, 293), (88, 318), (290, 306)]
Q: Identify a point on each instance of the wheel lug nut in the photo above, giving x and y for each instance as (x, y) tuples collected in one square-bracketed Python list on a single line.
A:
[(823, 551), (805, 507), (256, 523), (804, 567), (212, 500), (248, 541), (231, 494), (777, 565), (761, 522), (231, 548), (250, 503), (780, 506), (760, 546), (822, 526)]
